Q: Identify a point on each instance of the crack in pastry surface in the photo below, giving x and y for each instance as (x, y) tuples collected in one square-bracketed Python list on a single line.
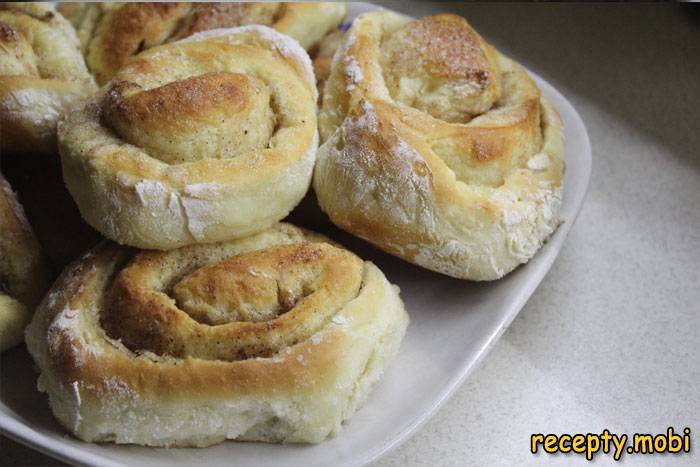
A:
[(206, 139), (277, 337), (444, 150)]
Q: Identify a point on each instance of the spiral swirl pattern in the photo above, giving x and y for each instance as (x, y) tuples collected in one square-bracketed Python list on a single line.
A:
[(438, 149), (275, 337), (203, 140), (41, 73), (110, 34)]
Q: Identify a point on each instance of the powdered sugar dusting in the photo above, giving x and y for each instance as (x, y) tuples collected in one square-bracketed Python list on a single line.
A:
[(402, 168), (286, 46), (353, 72), (119, 388), (204, 190), (53, 297), (448, 257), (414, 171), (528, 218), (539, 161), (120, 403), (174, 205), (150, 192), (368, 118), (64, 320), (256, 273), (386, 181), (66, 324), (315, 339), (198, 216), (339, 319)]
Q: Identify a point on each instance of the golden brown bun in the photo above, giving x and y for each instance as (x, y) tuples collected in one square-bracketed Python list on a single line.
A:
[(277, 337), (438, 149), (207, 139), (111, 33), (24, 276), (41, 73)]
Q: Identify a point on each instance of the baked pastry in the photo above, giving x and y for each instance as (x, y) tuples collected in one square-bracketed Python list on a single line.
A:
[(41, 73), (24, 277), (203, 140), (277, 337), (323, 57), (437, 148), (110, 33)]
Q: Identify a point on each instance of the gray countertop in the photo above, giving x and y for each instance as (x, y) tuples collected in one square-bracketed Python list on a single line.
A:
[(611, 338)]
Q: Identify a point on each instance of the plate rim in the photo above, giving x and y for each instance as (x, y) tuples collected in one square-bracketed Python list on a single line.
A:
[(25, 434), (525, 293)]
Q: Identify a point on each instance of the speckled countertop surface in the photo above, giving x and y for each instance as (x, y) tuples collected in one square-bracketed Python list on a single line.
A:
[(611, 339)]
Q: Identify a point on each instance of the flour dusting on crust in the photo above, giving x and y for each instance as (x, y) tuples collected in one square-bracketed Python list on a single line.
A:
[(412, 204), (150, 192), (209, 191), (285, 45)]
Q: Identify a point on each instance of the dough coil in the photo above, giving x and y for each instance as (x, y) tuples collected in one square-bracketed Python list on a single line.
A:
[(437, 148), (275, 337)]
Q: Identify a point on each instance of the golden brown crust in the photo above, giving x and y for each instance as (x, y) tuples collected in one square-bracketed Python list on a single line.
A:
[(251, 370), (295, 287), (445, 48), (445, 152), (183, 99), (180, 110), (206, 16), (41, 73), (307, 356), (128, 30), (113, 33), (442, 46), (202, 140)]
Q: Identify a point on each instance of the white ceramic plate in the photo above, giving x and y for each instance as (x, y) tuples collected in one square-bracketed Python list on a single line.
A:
[(453, 325)]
